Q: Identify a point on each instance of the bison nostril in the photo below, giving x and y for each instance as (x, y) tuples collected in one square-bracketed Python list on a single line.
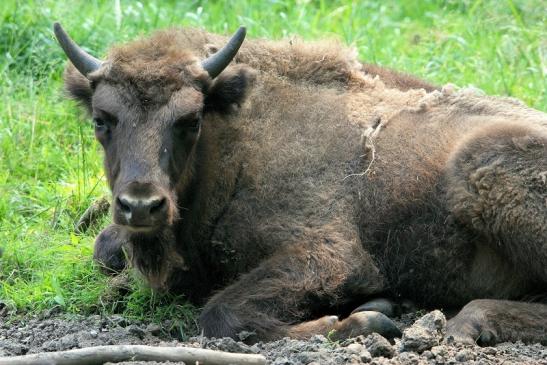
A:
[(157, 205), (124, 207)]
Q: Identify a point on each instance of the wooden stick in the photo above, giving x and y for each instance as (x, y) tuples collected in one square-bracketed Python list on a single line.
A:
[(92, 214), (117, 353)]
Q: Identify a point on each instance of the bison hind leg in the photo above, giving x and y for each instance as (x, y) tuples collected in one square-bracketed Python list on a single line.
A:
[(487, 322), (496, 186)]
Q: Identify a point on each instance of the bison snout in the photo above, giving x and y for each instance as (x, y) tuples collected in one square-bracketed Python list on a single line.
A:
[(141, 213)]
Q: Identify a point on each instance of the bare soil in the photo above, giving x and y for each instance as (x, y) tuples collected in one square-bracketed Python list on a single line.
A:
[(21, 335)]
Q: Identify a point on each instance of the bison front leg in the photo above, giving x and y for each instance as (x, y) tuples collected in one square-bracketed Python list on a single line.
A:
[(279, 297), (108, 252), (488, 321)]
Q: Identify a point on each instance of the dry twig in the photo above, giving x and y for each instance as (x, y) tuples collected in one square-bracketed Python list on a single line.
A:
[(117, 353), (92, 214)]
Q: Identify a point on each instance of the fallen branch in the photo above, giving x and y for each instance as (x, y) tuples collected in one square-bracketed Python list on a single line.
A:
[(117, 353), (92, 214)]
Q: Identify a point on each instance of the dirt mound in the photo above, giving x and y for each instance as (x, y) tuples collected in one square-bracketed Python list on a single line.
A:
[(422, 343)]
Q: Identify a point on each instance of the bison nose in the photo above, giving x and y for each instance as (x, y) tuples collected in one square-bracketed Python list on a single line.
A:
[(141, 212)]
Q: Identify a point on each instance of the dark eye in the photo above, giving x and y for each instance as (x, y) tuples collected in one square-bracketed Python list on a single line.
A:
[(100, 125)]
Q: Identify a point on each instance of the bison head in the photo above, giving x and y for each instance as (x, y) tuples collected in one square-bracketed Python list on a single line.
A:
[(148, 100), (156, 109)]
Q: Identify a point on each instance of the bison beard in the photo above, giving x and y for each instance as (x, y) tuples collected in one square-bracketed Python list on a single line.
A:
[(318, 183), (155, 257)]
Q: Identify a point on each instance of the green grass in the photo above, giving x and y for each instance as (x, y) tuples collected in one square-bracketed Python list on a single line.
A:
[(50, 166)]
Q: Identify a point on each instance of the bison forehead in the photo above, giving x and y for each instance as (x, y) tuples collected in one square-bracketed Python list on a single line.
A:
[(113, 100), (153, 69)]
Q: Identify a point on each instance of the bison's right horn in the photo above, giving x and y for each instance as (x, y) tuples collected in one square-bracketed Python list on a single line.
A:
[(83, 62), (215, 64)]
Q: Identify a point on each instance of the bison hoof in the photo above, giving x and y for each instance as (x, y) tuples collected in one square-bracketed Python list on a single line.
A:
[(108, 252), (365, 323), (382, 305), (470, 326), (387, 307), (470, 334)]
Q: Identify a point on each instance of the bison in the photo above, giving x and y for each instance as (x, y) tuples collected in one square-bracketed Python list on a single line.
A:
[(283, 181)]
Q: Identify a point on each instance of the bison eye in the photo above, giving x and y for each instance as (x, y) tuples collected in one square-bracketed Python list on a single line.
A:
[(100, 125)]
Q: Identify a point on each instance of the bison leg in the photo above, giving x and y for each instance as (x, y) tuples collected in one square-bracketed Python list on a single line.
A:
[(108, 252), (360, 323), (497, 186), (488, 321), (274, 299)]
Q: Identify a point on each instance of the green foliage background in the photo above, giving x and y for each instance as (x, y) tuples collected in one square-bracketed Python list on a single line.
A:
[(50, 166)]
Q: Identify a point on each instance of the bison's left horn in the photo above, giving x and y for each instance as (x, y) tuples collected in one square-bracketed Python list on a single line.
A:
[(84, 62), (215, 64)]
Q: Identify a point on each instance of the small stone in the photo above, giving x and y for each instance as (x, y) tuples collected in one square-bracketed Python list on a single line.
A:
[(489, 351), (154, 329), (136, 331), (318, 339), (365, 356), (254, 349), (464, 355), (307, 357), (246, 335), (439, 350), (428, 354), (425, 333), (68, 342), (355, 348), (228, 344), (282, 361), (93, 334), (408, 358), (379, 346), (353, 359)]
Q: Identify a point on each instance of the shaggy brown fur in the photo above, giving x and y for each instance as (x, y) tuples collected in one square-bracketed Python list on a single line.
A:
[(300, 182)]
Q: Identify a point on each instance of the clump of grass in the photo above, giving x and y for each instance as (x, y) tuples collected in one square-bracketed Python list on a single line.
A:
[(50, 166)]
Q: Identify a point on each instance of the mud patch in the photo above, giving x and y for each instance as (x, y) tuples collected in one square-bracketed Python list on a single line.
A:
[(55, 332)]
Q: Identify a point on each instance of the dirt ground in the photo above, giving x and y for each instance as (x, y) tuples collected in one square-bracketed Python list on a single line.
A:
[(422, 342)]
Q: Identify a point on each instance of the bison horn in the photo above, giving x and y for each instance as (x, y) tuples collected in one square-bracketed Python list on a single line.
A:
[(83, 62), (215, 64)]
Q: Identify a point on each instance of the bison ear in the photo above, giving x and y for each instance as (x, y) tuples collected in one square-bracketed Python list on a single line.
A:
[(229, 89), (78, 87)]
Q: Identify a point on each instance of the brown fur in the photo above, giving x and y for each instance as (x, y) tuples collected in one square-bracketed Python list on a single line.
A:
[(397, 80), (316, 182)]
